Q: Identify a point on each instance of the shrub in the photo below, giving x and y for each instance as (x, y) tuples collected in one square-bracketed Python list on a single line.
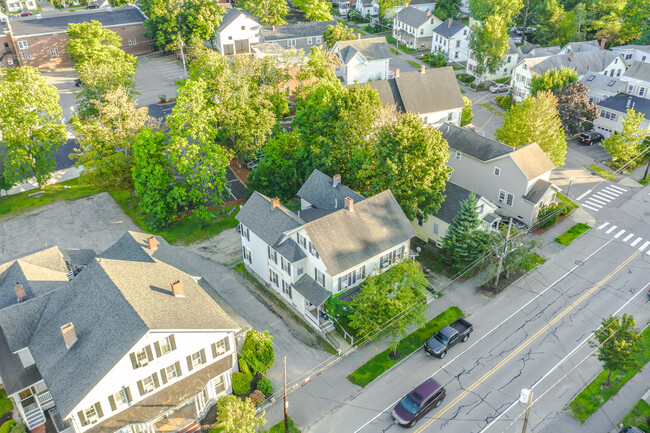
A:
[(244, 368), (547, 215), (258, 351), (18, 428), (241, 384), (7, 426), (264, 385)]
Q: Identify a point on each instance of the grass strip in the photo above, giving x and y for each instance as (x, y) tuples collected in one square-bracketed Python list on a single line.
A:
[(572, 234), (566, 201), (391, 40), (604, 173), (596, 393), (394, 51), (279, 428), (492, 109), (414, 64), (381, 363), (408, 50), (72, 189), (534, 260), (639, 416)]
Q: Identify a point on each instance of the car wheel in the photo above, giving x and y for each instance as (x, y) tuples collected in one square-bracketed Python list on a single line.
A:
[(438, 403), (415, 421), (464, 339), (442, 355)]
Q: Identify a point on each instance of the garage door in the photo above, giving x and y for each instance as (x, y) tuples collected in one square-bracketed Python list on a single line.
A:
[(228, 49), (241, 46)]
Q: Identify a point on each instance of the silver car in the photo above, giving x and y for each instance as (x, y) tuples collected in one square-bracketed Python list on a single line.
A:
[(499, 88)]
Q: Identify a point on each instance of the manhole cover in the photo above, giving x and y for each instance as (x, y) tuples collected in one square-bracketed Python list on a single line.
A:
[(579, 262)]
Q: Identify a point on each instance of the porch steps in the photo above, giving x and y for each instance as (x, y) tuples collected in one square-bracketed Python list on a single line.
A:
[(192, 428), (34, 418)]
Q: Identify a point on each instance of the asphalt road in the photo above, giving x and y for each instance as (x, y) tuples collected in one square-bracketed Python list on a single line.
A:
[(534, 335)]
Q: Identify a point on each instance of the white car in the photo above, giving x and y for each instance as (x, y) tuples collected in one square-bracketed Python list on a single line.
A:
[(499, 88)]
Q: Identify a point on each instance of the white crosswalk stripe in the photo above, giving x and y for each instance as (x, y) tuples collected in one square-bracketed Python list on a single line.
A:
[(636, 241), (596, 201), (599, 206), (606, 194), (584, 195), (627, 238), (611, 229), (602, 226), (618, 187), (600, 197), (590, 208), (618, 235), (642, 247)]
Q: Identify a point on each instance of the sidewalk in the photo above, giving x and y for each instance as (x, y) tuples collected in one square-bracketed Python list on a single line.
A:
[(607, 418)]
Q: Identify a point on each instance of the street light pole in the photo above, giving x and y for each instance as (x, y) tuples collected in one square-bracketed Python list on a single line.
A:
[(570, 183)]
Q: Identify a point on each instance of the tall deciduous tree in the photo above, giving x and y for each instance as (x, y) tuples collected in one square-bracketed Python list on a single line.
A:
[(535, 120), (574, 107), (105, 141), (387, 5), (624, 145), (553, 80), (340, 32), (30, 126), (636, 16), (556, 26), (159, 196), (482, 9), (518, 253), (466, 115), (258, 351), (607, 20), (315, 10), (409, 159), (616, 340), (446, 9), (489, 43), (389, 304), (269, 12), (464, 242), (238, 416)]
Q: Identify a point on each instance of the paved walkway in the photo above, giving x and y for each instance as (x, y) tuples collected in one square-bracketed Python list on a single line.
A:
[(607, 418)]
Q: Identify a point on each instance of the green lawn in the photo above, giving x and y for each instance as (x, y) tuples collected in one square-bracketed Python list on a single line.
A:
[(604, 173), (184, 231), (5, 404), (458, 68), (534, 261), (596, 393), (639, 416), (372, 369), (391, 40), (572, 234), (68, 190), (408, 50), (494, 110), (279, 428)]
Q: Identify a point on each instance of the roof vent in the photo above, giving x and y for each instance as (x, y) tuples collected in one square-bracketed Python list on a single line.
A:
[(349, 204), (20, 292), (177, 289), (275, 202), (629, 102), (153, 243), (69, 335), (336, 180), (571, 56)]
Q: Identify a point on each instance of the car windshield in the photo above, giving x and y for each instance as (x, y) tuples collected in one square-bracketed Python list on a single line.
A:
[(441, 338), (409, 405)]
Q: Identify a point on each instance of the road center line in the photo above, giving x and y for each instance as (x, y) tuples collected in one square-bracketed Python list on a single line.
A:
[(526, 343), (496, 327)]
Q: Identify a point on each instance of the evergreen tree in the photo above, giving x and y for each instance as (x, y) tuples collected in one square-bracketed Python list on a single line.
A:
[(464, 242)]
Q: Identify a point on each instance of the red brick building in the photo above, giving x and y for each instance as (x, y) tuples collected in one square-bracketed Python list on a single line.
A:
[(41, 42)]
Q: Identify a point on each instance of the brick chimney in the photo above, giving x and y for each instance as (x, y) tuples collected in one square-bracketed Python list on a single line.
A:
[(20, 292), (349, 204), (602, 43), (69, 335), (428, 13), (629, 102), (571, 56), (153, 243), (336, 180), (422, 69), (450, 22), (177, 289), (396, 72), (358, 35), (275, 202)]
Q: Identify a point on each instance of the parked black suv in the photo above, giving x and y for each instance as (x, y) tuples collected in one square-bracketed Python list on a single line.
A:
[(419, 402), (92, 6), (591, 137)]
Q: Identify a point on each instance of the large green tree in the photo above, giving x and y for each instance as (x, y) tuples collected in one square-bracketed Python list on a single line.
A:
[(315, 10), (269, 12), (535, 120), (446, 9), (516, 252), (616, 340), (30, 126), (574, 107), (340, 32), (466, 115), (607, 20), (488, 42), (389, 304), (482, 9), (258, 351), (159, 196), (235, 415), (387, 5), (625, 144), (556, 26), (553, 80), (636, 16), (105, 140), (464, 243), (409, 159)]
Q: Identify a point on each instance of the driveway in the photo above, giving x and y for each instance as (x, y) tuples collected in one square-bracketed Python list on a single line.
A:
[(485, 121), (155, 76)]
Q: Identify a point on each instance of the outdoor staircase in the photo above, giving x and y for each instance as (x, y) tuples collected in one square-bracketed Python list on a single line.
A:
[(34, 418), (192, 428)]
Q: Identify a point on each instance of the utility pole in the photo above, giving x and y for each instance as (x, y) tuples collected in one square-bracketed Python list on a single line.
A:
[(286, 403), (505, 247), (530, 400)]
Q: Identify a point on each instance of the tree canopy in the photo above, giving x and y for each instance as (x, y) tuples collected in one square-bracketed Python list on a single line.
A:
[(464, 243), (535, 120), (616, 340), (340, 32), (624, 145), (466, 115), (238, 416), (258, 351), (482, 9), (269, 12), (315, 10), (553, 80), (446, 9), (574, 107), (30, 125), (489, 43)]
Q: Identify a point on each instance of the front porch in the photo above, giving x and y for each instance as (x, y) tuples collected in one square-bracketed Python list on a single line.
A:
[(32, 403)]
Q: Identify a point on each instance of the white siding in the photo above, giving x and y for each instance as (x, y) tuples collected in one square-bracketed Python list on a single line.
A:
[(358, 71), (234, 32), (455, 48)]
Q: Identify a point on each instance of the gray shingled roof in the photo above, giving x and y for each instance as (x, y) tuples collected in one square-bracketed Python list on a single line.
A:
[(311, 290), (473, 144), (538, 190), (454, 196), (15, 377), (582, 62), (266, 222), (638, 71), (602, 82), (319, 192), (290, 250), (619, 103), (231, 15), (59, 23), (412, 16), (346, 238), (579, 47), (371, 48), (429, 92), (447, 31), (112, 303), (297, 30)]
